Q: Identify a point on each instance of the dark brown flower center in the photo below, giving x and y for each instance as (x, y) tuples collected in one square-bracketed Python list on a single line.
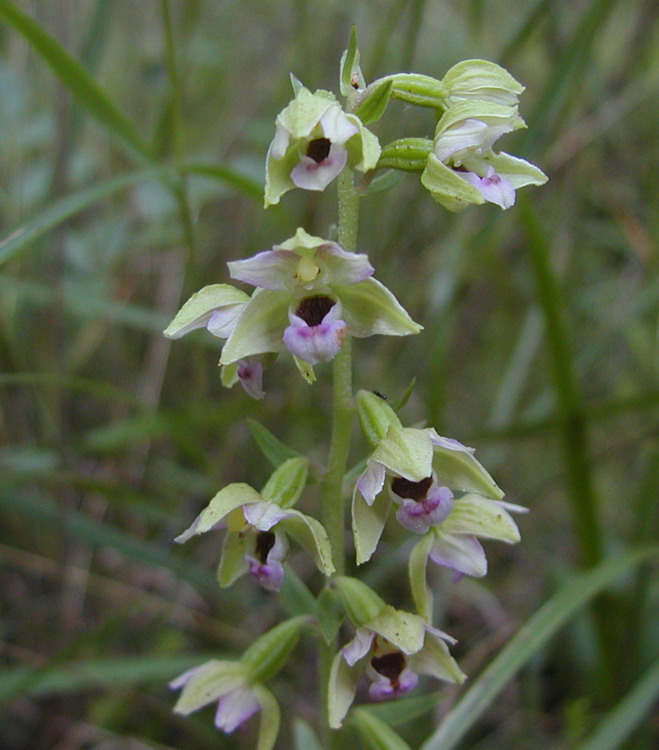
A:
[(413, 490), (389, 665), (265, 541), (319, 149), (312, 310)]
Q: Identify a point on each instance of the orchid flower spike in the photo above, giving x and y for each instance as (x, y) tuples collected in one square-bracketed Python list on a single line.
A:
[(314, 140)]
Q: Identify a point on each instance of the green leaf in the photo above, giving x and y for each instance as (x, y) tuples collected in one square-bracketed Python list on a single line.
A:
[(296, 599), (614, 728), (272, 448), (404, 710), (330, 613), (304, 736), (527, 642), (349, 61), (82, 675), (287, 482), (77, 80), (21, 237), (398, 404), (385, 181), (375, 733), (231, 177), (372, 106), (268, 654)]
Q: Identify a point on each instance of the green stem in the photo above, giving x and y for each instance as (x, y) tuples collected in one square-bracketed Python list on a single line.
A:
[(332, 497)]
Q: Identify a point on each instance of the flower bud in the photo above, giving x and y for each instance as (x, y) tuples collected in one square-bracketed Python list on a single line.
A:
[(481, 80), (408, 154), (362, 604), (375, 416), (287, 482), (268, 654)]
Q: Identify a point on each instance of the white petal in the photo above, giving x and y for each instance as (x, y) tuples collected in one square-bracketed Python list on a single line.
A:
[(235, 708), (359, 646), (271, 269), (263, 516)]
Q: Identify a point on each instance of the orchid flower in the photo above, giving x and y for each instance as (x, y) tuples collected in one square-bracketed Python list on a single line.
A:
[(314, 140), (391, 649), (464, 169), (310, 295), (258, 525)]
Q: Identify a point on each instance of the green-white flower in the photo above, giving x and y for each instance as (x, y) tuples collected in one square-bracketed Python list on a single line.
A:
[(463, 168), (258, 525), (314, 140)]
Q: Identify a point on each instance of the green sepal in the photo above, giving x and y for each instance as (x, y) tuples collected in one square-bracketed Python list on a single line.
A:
[(211, 681), (361, 603), (406, 452), (424, 91), (295, 597), (375, 733), (258, 329), (350, 72), (472, 514), (461, 471), (403, 629), (373, 102), (287, 482), (436, 661), (270, 718), (330, 613), (268, 654), (367, 524), (383, 182), (310, 534), (198, 309), (227, 499), (232, 560), (375, 416), (341, 689), (407, 154), (487, 112), (417, 564), (448, 188), (363, 148), (369, 309)]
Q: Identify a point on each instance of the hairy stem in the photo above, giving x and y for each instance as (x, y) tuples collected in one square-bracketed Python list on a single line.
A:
[(333, 498)]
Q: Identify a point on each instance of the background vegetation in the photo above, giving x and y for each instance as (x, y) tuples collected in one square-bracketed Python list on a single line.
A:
[(132, 152)]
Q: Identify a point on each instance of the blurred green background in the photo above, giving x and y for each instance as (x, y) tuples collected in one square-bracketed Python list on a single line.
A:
[(132, 172)]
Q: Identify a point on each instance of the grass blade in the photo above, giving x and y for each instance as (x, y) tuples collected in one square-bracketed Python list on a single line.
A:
[(625, 717), (77, 80), (521, 648)]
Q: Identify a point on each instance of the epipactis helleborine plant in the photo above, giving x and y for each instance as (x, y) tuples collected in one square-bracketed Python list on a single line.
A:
[(310, 296)]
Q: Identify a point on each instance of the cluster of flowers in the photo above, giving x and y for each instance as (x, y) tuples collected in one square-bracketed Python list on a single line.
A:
[(310, 294)]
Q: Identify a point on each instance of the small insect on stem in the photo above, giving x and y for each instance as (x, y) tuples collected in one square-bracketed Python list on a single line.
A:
[(380, 395)]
